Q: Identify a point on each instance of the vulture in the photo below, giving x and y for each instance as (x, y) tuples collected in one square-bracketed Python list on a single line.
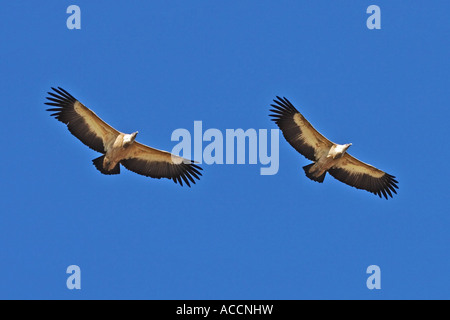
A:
[(118, 148), (328, 156)]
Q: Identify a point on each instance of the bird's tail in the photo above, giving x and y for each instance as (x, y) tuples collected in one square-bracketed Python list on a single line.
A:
[(98, 163), (310, 173)]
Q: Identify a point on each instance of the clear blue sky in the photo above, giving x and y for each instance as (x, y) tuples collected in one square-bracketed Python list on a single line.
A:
[(156, 66)]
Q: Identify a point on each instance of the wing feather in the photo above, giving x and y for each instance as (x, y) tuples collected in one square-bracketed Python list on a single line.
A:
[(82, 122), (158, 164), (360, 175), (298, 131)]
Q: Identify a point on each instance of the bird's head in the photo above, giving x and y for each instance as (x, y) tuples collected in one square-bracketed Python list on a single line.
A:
[(346, 146), (129, 138)]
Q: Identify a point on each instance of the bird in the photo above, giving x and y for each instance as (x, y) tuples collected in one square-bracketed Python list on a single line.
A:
[(328, 156), (118, 148)]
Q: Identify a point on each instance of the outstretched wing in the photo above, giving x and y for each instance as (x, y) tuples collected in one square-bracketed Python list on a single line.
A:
[(298, 131), (364, 176), (82, 122), (160, 164)]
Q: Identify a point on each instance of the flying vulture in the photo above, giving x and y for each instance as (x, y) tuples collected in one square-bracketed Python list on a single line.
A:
[(117, 147), (328, 156)]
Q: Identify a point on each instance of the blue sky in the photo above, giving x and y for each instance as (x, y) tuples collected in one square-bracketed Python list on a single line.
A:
[(157, 66)]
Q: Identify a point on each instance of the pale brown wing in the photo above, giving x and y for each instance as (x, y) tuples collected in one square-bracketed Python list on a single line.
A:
[(298, 131), (158, 164), (364, 176), (82, 122)]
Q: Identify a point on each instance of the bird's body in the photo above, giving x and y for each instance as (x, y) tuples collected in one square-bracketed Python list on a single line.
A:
[(118, 148), (326, 161), (328, 156)]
